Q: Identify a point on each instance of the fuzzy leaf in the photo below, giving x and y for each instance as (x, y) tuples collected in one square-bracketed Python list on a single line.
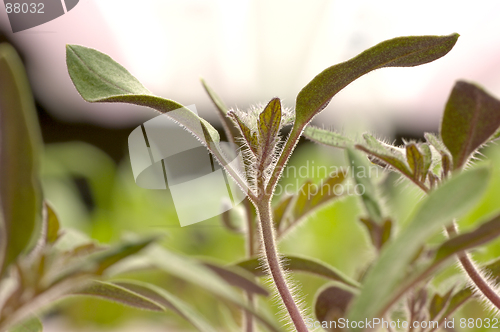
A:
[(397, 52), (301, 264), (98, 78), (269, 121), (269, 125), (326, 137), (20, 140), (471, 117), (249, 136), (427, 156), (202, 276), (441, 206), (331, 304), (145, 296), (488, 231), (32, 324), (369, 196), (231, 130), (415, 159)]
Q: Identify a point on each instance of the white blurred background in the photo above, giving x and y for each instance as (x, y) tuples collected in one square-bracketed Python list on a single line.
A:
[(251, 51)]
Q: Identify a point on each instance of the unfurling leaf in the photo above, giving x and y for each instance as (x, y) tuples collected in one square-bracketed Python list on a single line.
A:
[(20, 140), (301, 264), (415, 159), (471, 117), (388, 155), (145, 296), (451, 200), (397, 52), (269, 123), (331, 304), (326, 137)]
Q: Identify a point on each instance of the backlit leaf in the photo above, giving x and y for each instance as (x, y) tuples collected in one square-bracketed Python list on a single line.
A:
[(471, 117), (397, 52)]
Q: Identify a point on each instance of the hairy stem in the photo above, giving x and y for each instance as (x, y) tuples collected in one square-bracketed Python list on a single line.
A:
[(290, 144), (474, 273), (248, 325), (274, 264)]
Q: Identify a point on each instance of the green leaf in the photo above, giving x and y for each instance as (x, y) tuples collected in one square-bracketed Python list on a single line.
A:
[(397, 52), (458, 299), (52, 222), (145, 296), (231, 130), (326, 137), (309, 198), (236, 278), (98, 78), (379, 233), (438, 304), (279, 211), (331, 304), (488, 231), (451, 200), (20, 141), (369, 196), (301, 264), (200, 275), (471, 117), (32, 324), (96, 263)]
